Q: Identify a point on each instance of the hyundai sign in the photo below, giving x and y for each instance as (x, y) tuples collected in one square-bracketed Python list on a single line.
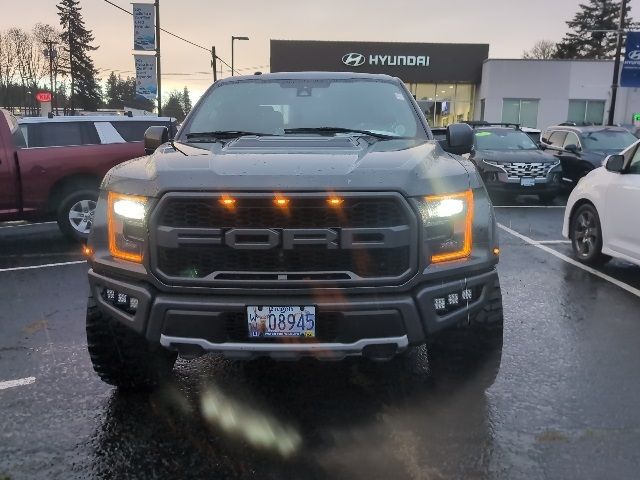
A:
[(630, 76), (412, 62)]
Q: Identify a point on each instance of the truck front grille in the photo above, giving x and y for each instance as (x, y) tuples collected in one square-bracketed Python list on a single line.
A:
[(195, 239)]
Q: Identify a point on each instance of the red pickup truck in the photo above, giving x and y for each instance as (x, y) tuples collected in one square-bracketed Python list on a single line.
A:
[(51, 168)]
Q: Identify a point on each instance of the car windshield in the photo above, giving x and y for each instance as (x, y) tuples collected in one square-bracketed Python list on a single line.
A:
[(283, 106), (607, 140), (503, 139)]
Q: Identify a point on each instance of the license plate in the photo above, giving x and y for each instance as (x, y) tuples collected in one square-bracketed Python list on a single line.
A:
[(527, 182), (282, 321)]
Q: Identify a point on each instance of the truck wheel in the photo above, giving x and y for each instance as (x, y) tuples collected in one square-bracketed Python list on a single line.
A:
[(123, 358), (75, 213), (471, 352), (586, 236)]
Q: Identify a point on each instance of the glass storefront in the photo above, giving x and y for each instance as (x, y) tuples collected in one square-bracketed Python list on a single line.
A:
[(444, 103)]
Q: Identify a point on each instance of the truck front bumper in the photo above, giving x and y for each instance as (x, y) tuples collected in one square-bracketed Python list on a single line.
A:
[(347, 324)]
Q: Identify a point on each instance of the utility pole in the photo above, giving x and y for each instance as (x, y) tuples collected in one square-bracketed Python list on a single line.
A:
[(71, 70), (158, 70), (616, 64), (213, 64), (51, 54)]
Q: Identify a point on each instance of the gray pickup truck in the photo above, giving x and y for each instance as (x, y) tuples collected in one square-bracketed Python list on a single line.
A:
[(303, 214)]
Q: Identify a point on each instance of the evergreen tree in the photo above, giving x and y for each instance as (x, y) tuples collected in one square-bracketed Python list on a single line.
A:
[(582, 42), (77, 39), (186, 101), (173, 107), (112, 97)]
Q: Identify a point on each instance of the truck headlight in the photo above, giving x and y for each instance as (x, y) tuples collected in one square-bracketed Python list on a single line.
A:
[(448, 225), (126, 219)]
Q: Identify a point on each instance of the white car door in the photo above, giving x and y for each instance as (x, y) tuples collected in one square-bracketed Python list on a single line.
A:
[(622, 215)]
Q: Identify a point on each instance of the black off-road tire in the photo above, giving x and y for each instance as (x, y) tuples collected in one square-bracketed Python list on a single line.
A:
[(472, 351), (590, 254), (69, 200), (123, 358)]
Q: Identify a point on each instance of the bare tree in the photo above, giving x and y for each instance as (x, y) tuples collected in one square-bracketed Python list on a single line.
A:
[(541, 50), (8, 66)]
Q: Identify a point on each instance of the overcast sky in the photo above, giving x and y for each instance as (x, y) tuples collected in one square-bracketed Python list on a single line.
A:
[(508, 26)]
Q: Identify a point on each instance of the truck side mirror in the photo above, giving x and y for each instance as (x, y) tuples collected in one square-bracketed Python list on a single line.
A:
[(154, 137), (614, 163), (459, 139)]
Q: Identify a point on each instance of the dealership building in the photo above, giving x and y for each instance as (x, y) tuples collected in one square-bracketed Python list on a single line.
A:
[(458, 82)]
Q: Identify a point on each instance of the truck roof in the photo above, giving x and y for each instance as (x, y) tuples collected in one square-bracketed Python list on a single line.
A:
[(94, 118), (310, 76)]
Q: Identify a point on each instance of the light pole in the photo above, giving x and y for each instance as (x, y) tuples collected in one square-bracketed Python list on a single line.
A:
[(616, 63), (233, 39)]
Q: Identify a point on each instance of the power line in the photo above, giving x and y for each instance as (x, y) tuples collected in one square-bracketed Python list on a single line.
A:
[(170, 33)]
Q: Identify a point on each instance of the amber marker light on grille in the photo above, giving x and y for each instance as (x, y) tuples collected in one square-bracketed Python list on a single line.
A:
[(228, 202), (335, 201), (465, 251), (281, 202), (114, 249), (496, 251), (87, 251)]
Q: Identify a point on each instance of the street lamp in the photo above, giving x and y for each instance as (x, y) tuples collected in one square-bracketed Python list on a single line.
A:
[(233, 39)]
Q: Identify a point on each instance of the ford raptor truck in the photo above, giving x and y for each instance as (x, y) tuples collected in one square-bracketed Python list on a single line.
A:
[(294, 214)]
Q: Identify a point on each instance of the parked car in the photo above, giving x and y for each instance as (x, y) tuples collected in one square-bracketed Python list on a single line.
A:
[(580, 149), (51, 168), (533, 133), (601, 219), (511, 163)]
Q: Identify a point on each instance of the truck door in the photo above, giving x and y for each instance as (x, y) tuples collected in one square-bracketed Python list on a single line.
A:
[(9, 132)]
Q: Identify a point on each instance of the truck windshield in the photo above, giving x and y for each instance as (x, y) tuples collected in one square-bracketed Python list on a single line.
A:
[(279, 107), (607, 140), (503, 139)]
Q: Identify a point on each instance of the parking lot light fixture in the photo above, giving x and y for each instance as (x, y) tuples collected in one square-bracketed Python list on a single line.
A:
[(233, 39)]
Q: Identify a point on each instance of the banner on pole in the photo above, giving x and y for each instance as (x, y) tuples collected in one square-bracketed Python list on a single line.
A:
[(144, 30), (630, 75), (146, 78)]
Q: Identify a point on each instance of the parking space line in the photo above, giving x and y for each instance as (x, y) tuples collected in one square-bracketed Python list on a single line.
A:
[(26, 225), (47, 265), (553, 242), (17, 383), (571, 261), (529, 206)]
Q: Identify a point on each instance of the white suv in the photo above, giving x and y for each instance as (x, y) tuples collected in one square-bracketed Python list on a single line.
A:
[(602, 217)]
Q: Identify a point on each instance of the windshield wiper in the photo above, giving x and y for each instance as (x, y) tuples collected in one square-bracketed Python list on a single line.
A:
[(383, 136), (221, 134)]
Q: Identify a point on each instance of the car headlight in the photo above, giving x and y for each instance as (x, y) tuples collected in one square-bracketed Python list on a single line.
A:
[(126, 219), (448, 225)]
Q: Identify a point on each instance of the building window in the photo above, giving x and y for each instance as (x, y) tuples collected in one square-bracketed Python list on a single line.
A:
[(521, 111), (444, 103), (586, 111)]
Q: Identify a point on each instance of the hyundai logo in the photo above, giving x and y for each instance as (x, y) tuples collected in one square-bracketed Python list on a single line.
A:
[(353, 59), (634, 55)]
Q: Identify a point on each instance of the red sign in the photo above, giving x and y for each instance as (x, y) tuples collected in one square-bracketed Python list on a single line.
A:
[(44, 97)]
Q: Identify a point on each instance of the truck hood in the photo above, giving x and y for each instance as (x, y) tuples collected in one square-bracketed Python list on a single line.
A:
[(295, 163), (513, 156)]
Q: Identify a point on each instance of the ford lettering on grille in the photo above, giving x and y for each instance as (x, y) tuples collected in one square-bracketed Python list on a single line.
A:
[(369, 239)]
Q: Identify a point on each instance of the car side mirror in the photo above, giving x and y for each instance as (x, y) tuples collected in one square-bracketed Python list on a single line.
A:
[(614, 163), (459, 139), (571, 148), (154, 137)]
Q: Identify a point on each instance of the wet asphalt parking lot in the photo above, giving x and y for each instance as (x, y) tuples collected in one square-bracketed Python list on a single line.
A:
[(564, 405)]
